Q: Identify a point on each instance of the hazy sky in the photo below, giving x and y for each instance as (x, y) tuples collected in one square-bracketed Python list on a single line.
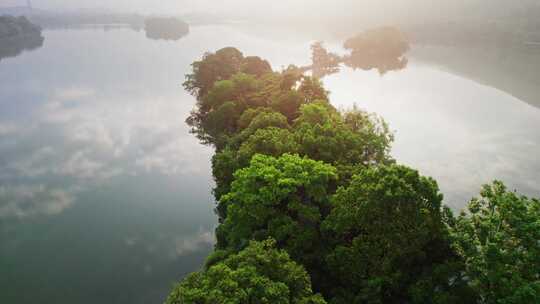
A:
[(389, 9), (175, 6)]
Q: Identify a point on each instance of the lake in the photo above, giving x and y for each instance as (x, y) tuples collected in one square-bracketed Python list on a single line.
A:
[(105, 197)]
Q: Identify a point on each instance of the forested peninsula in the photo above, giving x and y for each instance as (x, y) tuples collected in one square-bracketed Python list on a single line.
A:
[(312, 207)]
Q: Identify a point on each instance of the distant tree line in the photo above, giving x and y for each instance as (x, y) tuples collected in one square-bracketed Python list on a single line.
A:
[(313, 209)]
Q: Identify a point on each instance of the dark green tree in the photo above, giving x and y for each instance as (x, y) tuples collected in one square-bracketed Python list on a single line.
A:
[(213, 67), (353, 138), (262, 120), (210, 121), (389, 239)]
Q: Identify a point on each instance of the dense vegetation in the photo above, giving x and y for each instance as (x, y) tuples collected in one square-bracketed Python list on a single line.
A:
[(165, 28), (313, 209)]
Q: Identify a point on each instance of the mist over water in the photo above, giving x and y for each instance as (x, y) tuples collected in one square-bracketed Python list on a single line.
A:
[(105, 196)]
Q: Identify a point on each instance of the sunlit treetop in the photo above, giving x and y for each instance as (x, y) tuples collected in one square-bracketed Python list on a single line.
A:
[(258, 274)]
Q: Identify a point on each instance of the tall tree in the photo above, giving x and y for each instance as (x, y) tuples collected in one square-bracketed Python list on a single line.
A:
[(285, 198), (389, 237)]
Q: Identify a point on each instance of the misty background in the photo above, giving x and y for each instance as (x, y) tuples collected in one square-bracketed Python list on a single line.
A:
[(105, 196), (346, 10)]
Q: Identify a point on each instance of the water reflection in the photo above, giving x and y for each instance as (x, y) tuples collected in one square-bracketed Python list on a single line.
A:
[(103, 191), (382, 49), (89, 142), (462, 133), (513, 69), (493, 54), (165, 28), (23, 201), (17, 35)]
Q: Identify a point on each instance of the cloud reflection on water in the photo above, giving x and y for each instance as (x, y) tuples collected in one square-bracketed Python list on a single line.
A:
[(23, 201), (93, 138)]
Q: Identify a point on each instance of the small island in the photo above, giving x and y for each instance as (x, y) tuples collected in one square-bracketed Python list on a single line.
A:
[(17, 34), (165, 28), (382, 48)]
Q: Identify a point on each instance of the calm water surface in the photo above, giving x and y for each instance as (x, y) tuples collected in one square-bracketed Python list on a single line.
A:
[(105, 196)]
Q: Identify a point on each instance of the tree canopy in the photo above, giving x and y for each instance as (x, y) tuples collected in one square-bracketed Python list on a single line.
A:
[(389, 235), (285, 198), (260, 273), (499, 240)]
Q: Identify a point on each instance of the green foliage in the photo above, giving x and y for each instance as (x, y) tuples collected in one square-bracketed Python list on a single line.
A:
[(270, 141), (349, 139), (248, 116), (224, 164), (213, 67), (248, 82), (288, 103), (284, 198), (389, 235), (220, 124), (312, 89), (262, 120), (499, 240), (258, 274), (211, 122), (254, 65)]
